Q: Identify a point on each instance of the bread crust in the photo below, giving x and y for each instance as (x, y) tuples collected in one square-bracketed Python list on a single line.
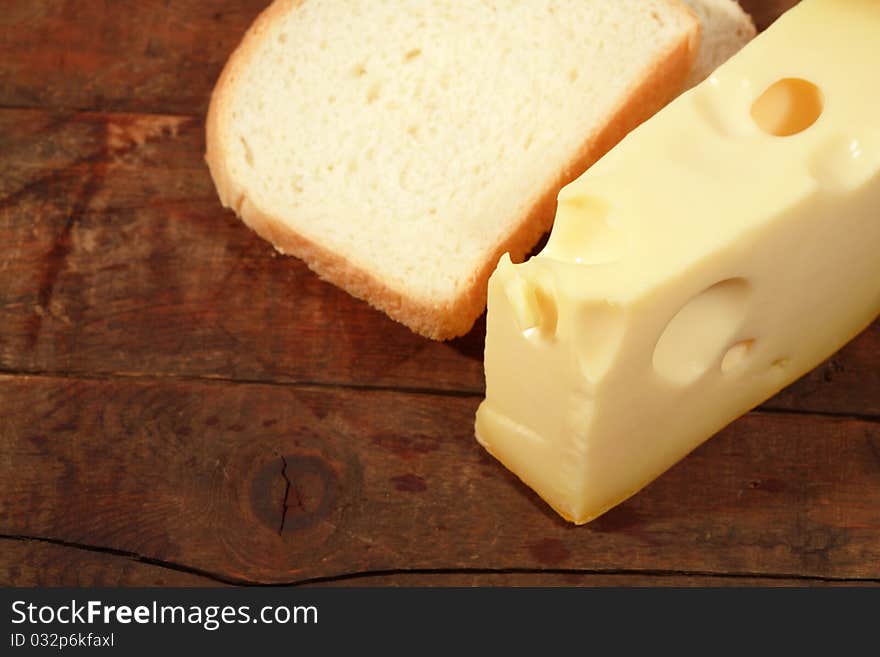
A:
[(450, 318)]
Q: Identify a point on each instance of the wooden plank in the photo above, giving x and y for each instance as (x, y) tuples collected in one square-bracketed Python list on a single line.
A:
[(32, 563), (138, 55), (120, 261), (201, 474), (35, 563), (135, 55)]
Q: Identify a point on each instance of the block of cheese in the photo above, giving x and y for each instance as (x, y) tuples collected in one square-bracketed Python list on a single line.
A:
[(718, 253)]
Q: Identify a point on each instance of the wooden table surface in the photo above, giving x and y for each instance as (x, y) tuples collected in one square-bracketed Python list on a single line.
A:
[(181, 406)]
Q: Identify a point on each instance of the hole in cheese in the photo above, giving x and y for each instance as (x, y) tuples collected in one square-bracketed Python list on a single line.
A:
[(787, 107), (697, 335), (532, 302), (736, 356), (846, 162), (582, 233)]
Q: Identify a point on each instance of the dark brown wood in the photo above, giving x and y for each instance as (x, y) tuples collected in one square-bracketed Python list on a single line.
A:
[(140, 55), (33, 563), (201, 474), (203, 411), (120, 261)]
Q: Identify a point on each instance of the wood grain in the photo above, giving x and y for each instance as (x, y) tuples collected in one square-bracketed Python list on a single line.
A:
[(201, 474), (36, 563), (120, 261), (184, 407), (145, 56)]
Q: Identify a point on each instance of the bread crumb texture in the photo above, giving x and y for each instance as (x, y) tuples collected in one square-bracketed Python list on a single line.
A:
[(403, 141)]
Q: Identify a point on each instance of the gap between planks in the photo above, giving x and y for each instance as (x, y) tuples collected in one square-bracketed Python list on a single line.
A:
[(367, 574)]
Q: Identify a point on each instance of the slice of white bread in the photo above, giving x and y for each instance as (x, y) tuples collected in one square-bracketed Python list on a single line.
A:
[(399, 147), (726, 29)]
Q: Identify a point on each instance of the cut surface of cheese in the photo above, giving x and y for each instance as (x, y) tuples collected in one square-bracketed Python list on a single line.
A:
[(722, 250)]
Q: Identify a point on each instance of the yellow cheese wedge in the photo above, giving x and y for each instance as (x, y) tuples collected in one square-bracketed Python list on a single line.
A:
[(721, 251)]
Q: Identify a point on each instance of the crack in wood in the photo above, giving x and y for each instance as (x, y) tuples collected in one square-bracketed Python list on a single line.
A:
[(128, 554), (284, 505), (366, 574)]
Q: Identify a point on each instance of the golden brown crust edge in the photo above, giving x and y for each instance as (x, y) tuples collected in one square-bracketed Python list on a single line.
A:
[(453, 318), (644, 100)]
